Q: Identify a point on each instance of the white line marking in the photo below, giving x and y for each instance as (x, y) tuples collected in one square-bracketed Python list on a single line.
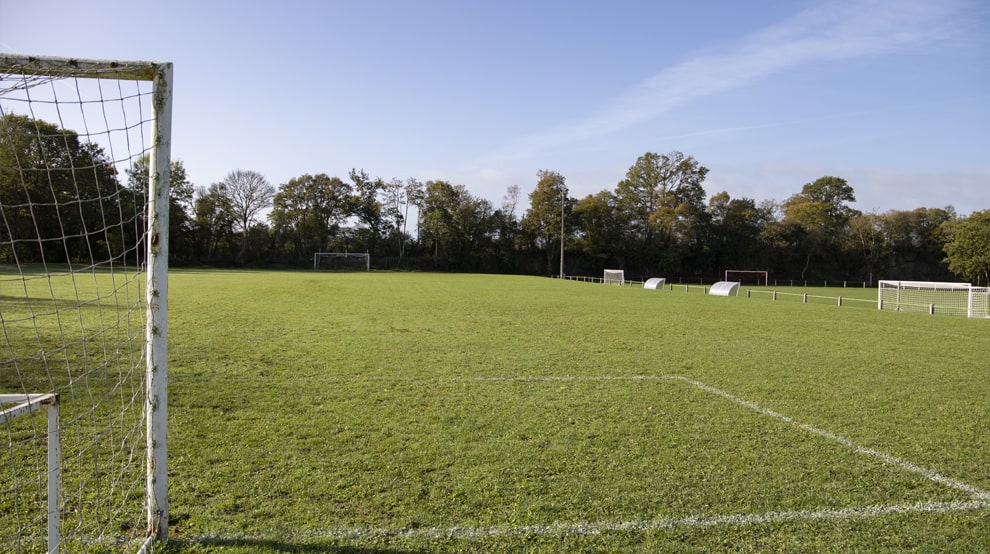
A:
[(978, 494), (662, 524), (933, 476)]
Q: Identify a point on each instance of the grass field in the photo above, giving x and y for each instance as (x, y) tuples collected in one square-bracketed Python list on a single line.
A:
[(405, 412), (420, 412)]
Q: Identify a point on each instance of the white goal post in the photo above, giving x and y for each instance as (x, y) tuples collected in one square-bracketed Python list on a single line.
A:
[(84, 198), (958, 299), (748, 277), (614, 277), (342, 261)]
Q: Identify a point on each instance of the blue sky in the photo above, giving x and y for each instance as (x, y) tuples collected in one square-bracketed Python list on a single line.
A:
[(892, 95)]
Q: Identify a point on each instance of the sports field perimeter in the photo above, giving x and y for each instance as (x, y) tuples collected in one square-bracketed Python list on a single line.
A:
[(390, 412)]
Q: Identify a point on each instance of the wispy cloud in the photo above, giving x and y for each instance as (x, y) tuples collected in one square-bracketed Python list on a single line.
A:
[(829, 32)]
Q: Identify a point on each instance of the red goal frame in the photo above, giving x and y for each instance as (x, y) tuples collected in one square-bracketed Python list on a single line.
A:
[(747, 276)]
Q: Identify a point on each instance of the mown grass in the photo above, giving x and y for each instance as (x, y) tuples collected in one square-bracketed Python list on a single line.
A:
[(79, 335), (382, 412), (388, 412)]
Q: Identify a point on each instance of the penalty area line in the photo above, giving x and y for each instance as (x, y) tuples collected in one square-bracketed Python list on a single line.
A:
[(977, 493), (591, 528)]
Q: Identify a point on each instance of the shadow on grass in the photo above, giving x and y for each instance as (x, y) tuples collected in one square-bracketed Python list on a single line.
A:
[(181, 546)]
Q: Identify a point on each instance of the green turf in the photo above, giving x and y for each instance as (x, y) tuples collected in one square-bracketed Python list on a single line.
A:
[(388, 411), (404, 412)]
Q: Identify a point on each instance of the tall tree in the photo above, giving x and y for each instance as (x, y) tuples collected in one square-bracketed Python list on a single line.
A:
[(967, 249), (248, 194), (214, 221), (821, 209), (867, 240), (395, 207), (507, 229), (74, 212), (415, 194), (309, 210), (663, 199), (366, 206), (917, 241), (547, 214), (458, 225), (736, 224), (832, 195), (599, 231), (181, 245)]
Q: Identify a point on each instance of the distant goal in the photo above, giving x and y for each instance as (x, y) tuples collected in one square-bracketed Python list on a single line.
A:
[(342, 261), (614, 277), (747, 277), (957, 299)]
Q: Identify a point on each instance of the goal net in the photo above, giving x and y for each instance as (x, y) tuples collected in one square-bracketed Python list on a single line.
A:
[(747, 277), (614, 277), (342, 261), (84, 164), (958, 299)]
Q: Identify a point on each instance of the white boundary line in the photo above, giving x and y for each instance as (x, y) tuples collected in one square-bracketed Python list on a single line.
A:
[(980, 498), (978, 494)]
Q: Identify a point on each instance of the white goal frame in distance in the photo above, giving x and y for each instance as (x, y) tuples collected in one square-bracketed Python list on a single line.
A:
[(614, 277), (933, 297), (729, 273), (42, 68), (345, 255)]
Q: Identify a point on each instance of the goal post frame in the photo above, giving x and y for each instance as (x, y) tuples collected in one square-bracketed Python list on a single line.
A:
[(317, 256), (159, 74), (614, 277), (157, 304), (26, 404), (729, 273), (936, 291)]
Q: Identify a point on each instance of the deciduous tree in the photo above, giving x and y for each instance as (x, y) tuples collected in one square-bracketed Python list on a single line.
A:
[(181, 240), (69, 213), (308, 211), (548, 203), (867, 240), (968, 247), (662, 198), (248, 194)]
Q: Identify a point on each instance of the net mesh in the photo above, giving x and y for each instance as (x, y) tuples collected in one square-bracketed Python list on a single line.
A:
[(956, 299), (72, 316)]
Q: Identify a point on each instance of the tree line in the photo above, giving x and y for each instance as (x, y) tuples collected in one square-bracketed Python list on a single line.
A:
[(657, 221)]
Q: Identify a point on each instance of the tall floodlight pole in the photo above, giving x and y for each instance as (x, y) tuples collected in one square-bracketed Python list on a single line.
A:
[(562, 196)]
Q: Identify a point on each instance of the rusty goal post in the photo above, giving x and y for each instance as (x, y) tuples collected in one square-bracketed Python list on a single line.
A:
[(84, 200)]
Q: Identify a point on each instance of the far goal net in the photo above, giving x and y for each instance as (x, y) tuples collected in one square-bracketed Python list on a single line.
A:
[(84, 169), (958, 299), (747, 277), (614, 277), (342, 261)]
